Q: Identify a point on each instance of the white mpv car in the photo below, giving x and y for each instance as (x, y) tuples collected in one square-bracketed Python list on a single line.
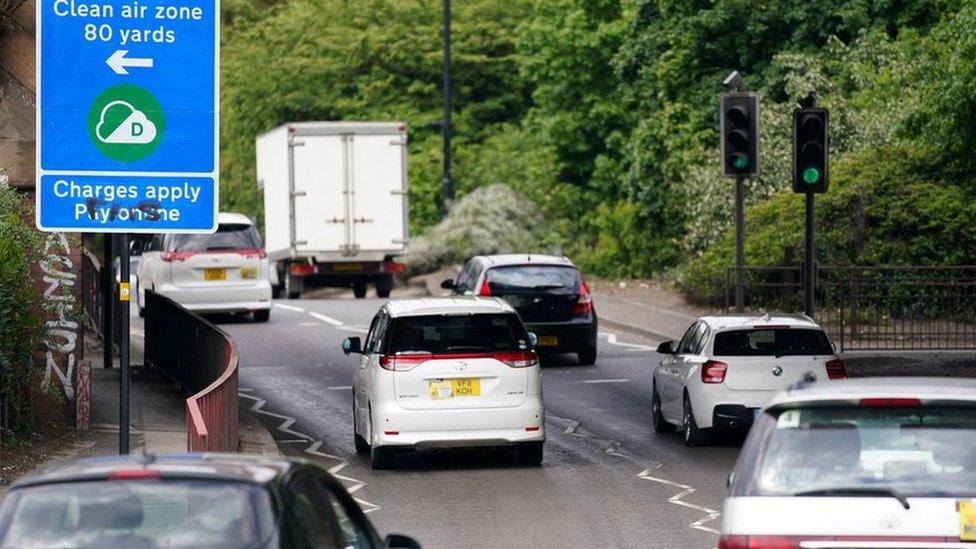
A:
[(863, 463), (728, 366), (447, 372), (223, 272)]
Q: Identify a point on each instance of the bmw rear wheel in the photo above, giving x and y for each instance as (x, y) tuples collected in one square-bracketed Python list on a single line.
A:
[(692, 435), (660, 424)]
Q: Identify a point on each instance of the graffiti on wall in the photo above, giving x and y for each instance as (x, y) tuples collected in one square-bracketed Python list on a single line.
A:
[(59, 297)]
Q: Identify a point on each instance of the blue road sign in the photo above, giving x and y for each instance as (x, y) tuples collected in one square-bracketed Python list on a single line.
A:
[(127, 115)]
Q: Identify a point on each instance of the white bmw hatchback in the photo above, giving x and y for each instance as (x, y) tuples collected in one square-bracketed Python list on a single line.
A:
[(223, 272), (447, 372), (728, 366), (865, 463)]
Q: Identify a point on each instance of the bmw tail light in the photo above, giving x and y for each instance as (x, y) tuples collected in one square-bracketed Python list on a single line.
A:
[(583, 305), (517, 359), (713, 371), (402, 363), (835, 369)]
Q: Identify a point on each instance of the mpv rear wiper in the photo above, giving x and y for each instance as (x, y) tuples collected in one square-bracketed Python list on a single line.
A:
[(863, 491)]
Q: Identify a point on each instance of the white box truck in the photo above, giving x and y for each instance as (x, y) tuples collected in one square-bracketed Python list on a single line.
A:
[(335, 204)]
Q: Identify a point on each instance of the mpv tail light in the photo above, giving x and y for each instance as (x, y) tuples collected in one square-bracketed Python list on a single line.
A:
[(176, 256), (584, 304), (402, 363), (252, 253), (760, 542), (835, 369), (517, 359), (713, 371)]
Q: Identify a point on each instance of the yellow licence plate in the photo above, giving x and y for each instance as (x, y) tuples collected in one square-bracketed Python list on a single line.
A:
[(215, 274), (967, 520), (249, 273), (548, 341), (449, 388), (347, 267)]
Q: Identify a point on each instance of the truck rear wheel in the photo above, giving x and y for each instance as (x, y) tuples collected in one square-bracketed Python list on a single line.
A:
[(359, 289), (291, 288), (383, 286)]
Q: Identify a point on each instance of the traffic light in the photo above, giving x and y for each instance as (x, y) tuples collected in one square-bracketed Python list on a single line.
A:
[(810, 147), (739, 127)]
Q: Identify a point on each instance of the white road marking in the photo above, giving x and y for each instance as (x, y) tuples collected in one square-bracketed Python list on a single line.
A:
[(357, 329), (677, 499), (289, 307), (313, 448), (612, 339), (621, 380), (327, 319), (339, 388)]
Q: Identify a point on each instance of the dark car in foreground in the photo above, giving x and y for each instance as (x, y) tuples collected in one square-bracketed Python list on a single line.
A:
[(548, 292), (186, 500)]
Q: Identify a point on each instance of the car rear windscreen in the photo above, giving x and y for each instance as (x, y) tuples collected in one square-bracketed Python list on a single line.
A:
[(168, 513), (825, 450), (772, 342), (533, 279), (229, 236), (447, 334)]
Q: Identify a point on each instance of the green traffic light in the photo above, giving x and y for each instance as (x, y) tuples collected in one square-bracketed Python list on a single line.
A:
[(811, 175), (740, 161)]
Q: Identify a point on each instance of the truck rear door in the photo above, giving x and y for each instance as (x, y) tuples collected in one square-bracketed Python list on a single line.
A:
[(320, 203), (378, 197)]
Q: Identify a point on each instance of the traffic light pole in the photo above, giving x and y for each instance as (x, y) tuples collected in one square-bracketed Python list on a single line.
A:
[(809, 281), (124, 293), (740, 291)]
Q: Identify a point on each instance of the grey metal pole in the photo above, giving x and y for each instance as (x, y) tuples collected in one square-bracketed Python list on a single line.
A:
[(446, 129), (108, 303), (740, 297), (809, 282), (124, 345)]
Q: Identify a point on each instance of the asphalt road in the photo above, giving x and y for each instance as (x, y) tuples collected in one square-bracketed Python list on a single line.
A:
[(607, 480)]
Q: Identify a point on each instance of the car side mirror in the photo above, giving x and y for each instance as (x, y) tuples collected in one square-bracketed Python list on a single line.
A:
[(533, 339), (730, 480), (448, 284), (400, 541), (352, 345), (666, 348)]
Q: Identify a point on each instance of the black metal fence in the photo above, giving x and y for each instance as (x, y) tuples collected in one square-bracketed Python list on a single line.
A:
[(874, 308)]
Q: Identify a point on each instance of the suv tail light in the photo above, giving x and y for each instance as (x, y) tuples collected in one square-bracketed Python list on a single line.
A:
[(583, 305), (485, 288), (835, 369), (517, 359), (403, 363), (760, 542), (713, 371)]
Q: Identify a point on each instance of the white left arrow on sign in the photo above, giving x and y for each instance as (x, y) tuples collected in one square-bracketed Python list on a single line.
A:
[(118, 62)]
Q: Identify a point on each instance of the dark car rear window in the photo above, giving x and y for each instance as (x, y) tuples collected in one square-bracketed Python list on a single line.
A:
[(445, 334), (229, 236), (168, 513), (772, 342), (534, 279)]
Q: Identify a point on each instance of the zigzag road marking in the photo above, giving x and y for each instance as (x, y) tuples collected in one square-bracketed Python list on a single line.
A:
[(313, 448), (614, 448)]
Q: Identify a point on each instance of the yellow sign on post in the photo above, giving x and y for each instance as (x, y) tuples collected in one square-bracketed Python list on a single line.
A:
[(123, 291), (967, 520)]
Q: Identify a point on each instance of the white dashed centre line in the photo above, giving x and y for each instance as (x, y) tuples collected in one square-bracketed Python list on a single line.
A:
[(327, 319), (340, 388), (289, 307)]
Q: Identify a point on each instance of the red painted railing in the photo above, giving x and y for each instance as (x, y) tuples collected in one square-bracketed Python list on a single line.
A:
[(203, 359)]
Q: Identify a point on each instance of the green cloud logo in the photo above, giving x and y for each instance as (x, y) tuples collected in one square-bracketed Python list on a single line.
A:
[(125, 123), (121, 123)]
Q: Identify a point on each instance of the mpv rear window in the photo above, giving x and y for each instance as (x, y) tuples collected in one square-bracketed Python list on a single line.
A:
[(917, 450), (446, 334), (533, 279), (229, 236), (772, 342)]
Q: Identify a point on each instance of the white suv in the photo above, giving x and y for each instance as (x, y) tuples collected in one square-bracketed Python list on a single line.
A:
[(871, 463), (223, 272), (728, 366), (447, 372)]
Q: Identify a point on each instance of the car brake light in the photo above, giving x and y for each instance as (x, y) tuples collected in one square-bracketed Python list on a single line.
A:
[(517, 359), (713, 371), (760, 542), (835, 369), (584, 304), (133, 474), (485, 288), (393, 267), (301, 269), (252, 253), (176, 256), (403, 363), (890, 402)]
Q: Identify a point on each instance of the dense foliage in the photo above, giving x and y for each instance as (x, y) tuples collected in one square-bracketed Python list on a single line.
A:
[(20, 328), (602, 116)]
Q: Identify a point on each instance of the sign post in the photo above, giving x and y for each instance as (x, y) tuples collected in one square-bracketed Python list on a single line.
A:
[(127, 126)]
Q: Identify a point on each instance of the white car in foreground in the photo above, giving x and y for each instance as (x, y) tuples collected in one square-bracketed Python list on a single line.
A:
[(447, 372), (223, 272), (728, 366), (872, 462)]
